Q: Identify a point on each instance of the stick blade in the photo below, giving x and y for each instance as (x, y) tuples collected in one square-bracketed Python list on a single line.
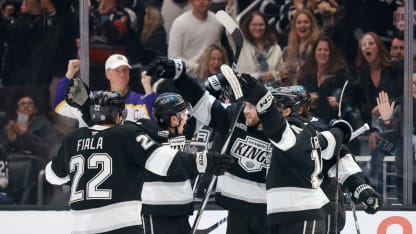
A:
[(232, 79), (227, 21)]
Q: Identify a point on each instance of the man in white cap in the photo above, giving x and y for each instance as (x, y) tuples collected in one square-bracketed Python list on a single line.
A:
[(117, 72)]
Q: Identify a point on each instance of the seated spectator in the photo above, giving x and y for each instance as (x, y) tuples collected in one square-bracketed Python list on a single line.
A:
[(397, 46), (117, 73), (30, 131), (210, 62), (260, 55)]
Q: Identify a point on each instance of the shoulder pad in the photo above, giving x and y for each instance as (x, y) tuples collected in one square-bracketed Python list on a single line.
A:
[(152, 130)]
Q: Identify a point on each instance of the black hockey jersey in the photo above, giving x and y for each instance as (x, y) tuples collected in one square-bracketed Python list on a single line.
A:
[(242, 187), (104, 166), (295, 175), (4, 170), (173, 195)]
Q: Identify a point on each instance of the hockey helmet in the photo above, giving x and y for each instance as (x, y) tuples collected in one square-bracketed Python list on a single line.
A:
[(105, 107), (291, 96), (166, 105)]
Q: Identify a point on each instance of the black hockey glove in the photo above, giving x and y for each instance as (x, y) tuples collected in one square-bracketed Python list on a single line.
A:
[(215, 84), (345, 128), (163, 67), (213, 162), (371, 200), (255, 93), (78, 95)]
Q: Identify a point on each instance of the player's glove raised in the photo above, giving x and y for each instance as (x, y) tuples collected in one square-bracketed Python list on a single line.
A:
[(163, 67), (213, 162), (371, 200), (215, 83), (255, 93), (345, 128), (78, 94)]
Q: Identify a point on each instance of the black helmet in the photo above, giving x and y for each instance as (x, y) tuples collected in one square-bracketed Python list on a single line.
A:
[(291, 96), (105, 106), (167, 104)]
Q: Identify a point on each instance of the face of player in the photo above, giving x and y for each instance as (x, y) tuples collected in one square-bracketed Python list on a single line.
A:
[(119, 78), (322, 53), (216, 59), (257, 27), (250, 113), (303, 26), (369, 49), (178, 124)]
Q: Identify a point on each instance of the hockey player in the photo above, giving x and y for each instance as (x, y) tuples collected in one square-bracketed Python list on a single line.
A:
[(168, 201), (242, 189), (104, 163), (293, 102), (295, 200)]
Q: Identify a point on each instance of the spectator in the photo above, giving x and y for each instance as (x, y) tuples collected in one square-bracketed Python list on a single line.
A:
[(260, 55), (191, 31), (153, 36), (210, 62), (171, 9), (323, 75), (110, 29), (30, 131), (397, 46), (117, 72), (304, 32), (376, 71)]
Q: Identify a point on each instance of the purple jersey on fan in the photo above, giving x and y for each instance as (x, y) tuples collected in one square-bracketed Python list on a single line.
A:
[(137, 105)]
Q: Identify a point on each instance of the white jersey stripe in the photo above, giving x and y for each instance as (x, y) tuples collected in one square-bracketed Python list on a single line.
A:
[(329, 151), (160, 159), (52, 178), (290, 199), (346, 167), (288, 139), (167, 193), (106, 218), (238, 188)]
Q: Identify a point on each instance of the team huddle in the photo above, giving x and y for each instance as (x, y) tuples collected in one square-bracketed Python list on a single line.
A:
[(277, 175)]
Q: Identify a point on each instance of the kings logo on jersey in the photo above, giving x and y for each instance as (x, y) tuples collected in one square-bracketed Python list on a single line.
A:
[(253, 155)]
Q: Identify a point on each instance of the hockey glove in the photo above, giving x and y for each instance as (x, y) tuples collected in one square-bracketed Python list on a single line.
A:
[(163, 67), (215, 84), (345, 128), (78, 95), (213, 162), (255, 93), (371, 200)]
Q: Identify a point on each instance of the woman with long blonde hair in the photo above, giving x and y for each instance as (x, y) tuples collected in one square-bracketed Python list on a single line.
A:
[(211, 60)]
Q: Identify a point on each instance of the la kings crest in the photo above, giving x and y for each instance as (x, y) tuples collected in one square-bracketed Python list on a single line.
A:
[(253, 154)]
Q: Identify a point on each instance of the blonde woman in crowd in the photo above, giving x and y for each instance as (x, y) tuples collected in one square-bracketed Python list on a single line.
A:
[(211, 60), (303, 34)]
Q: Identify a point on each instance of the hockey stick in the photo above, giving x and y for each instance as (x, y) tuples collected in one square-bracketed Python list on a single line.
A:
[(212, 227), (238, 93), (232, 28)]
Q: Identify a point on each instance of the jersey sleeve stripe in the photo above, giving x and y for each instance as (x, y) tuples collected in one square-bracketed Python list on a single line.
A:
[(328, 152), (346, 167), (288, 139), (202, 110), (160, 160), (160, 193), (52, 178)]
